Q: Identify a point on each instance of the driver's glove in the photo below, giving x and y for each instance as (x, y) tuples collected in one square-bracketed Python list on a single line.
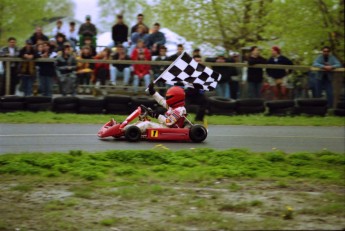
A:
[(151, 113), (152, 90)]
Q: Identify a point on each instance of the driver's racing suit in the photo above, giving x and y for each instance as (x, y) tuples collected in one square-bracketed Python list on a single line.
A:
[(169, 120)]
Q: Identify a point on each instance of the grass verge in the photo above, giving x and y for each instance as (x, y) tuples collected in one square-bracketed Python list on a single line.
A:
[(260, 119)]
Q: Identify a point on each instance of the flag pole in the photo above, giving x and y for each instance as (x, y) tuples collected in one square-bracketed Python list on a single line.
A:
[(160, 76)]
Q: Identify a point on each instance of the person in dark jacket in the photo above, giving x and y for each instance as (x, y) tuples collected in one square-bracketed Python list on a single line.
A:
[(255, 75), (119, 32), (279, 76), (27, 70), (155, 39), (66, 65), (38, 35), (223, 87), (140, 18), (46, 70)]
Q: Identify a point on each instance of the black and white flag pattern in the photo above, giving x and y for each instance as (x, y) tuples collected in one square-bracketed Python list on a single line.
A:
[(191, 73)]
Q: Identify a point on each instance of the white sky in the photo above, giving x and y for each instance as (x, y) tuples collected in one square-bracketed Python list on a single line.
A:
[(86, 7)]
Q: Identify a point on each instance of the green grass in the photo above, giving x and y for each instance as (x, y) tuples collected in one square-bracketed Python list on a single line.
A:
[(260, 119), (195, 165)]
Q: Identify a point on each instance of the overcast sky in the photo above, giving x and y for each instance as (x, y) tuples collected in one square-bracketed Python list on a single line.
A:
[(86, 7)]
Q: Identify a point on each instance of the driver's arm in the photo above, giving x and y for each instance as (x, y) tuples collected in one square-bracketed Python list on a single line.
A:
[(160, 100), (172, 118)]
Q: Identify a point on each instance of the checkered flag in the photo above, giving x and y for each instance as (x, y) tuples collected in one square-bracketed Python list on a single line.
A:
[(191, 73)]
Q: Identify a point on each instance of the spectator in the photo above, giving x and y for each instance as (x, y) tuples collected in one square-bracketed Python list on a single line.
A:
[(88, 42), (155, 39), (38, 35), (158, 70), (85, 70), (87, 28), (279, 76), (327, 62), (223, 86), (53, 45), (138, 35), (255, 75), (117, 70), (141, 71), (140, 21), (60, 41), (58, 29), (236, 79), (197, 97), (196, 51), (72, 35), (119, 31), (10, 51), (102, 70), (46, 70), (180, 49), (27, 70), (66, 66)]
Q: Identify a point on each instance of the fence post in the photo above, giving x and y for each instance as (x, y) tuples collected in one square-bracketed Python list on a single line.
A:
[(8, 77)]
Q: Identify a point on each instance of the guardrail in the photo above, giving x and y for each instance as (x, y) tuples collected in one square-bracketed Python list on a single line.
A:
[(8, 61)]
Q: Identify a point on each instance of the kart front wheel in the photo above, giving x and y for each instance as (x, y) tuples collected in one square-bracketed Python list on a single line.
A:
[(198, 133), (133, 134)]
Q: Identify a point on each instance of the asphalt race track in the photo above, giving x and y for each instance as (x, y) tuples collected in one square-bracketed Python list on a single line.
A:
[(15, 138)]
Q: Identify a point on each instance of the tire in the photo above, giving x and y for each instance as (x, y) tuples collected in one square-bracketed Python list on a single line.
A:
[(198, 133), (244, 110), (117, 99), (339, 112), (12, 106), (315, 111), (117, 108), (133, 134), (249, 102), (91, 102), (341, 105), (280, 104), (12, 98), (281, 111), (65, 100), (311, 102), (223, 103), (34, 107), (37, 99), (90, 110), (65, 108), (148, 102), (219, 111)]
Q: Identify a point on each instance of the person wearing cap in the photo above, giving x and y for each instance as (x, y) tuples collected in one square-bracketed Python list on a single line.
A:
[(66, 65), (278, 76), (119, 32), (27, 70), (87, 28)]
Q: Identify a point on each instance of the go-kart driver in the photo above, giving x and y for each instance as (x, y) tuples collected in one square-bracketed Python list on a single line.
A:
[(174, 103)]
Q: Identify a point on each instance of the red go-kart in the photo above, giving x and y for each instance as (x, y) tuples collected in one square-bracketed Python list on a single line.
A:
[(185, 132)]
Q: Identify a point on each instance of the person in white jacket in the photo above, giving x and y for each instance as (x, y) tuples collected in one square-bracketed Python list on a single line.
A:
[(175, 114)]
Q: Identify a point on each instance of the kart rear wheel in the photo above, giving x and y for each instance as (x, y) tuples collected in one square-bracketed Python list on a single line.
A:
[(133, 134), (198, 133)]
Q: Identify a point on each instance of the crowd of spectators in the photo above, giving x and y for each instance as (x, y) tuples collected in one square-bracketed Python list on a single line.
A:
[(142, 43)]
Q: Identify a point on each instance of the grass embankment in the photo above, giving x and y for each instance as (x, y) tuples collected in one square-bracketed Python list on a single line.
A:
[(161, 189), (50, 117)]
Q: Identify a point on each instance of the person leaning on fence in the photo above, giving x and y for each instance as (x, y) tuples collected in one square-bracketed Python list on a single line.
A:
[(327, 62), (255, 75), (66, 65), (27, 70), (279, 76), (85, 70), (10, 51), (46, 70), (141, 71), (117, 70)]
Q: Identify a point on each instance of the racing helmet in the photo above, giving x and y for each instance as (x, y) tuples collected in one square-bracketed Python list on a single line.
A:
[(175, 97)]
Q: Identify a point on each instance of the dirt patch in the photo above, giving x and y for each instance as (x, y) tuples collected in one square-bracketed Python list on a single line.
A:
[(225, 205)]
